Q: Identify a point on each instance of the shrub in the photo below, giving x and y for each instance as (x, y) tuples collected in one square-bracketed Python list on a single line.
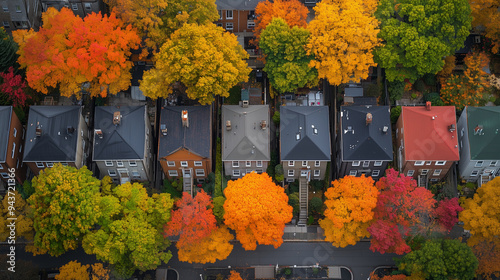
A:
[(373, 90), (294, 186), (278, 173), (26, 190), (288, 271), (169, 188), (294, 201), (272, 164), (396, 90), (218, 210), (208, 185), (434, 98), (429, 79), (419, 85), (317, 185), (414, 96), (276, 117), (310, 220), (218, 170), (395, 112), (315, 205)]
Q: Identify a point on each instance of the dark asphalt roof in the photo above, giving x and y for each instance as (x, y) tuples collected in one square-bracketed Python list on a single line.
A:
[(5, 115), (124, 141), (246, 5), (362, 141), (484, 145), (55, 144), (195, 138), (301, 119)]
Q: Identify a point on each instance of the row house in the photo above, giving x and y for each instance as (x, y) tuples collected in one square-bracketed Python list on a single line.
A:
[(185, 142), (245, 139), (427, 142), (81, 8), (55, 134), (20, 14), (365, 142), (479, 140), (11, 146), (122, 143), (304, 141)]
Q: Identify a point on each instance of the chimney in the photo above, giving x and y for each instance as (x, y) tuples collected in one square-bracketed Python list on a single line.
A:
[(70, 130), (428, 105), (185, 120), (228, 125), (244, 104), (478, 130), (99, 134), (163, 128), (38, 131), (385, 129), (451, 127), (369, 118), (117, 118)]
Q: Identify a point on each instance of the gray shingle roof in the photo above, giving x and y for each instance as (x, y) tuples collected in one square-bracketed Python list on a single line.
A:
[(484, 145), (125, 141), (313, 143), (5, 116), (246, 140), (195, 138), (55, 144), (362, 141), (242, 5)]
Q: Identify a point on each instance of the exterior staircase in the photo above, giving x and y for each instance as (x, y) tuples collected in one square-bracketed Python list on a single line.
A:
[(422, 181), (485, 178), (303, 201), (187, 184)]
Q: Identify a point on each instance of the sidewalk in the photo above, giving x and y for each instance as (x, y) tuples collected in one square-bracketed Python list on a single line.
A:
[(303, 234)]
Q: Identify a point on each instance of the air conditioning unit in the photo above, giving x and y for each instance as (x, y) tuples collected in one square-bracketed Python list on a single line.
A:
[(245, 104)]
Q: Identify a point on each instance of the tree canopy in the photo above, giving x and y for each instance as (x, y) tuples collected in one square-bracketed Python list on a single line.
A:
[(65, 207), (485, 14), (68, 51), (287, 63), (343, 35), (417, 35), (23, 214), (14, 88), (207, 60), (349, 210), (214, 247), (257, 209), (8, 49)]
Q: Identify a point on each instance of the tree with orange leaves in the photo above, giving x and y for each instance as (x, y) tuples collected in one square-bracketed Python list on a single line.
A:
[(257, 209), (388, 277), (193, 219), (215, 247), (292, 11), (485, 14), (488, 255), (69, 51), (349, 211), (234, 276)]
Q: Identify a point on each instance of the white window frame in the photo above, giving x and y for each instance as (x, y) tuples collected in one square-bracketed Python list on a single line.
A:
[(410, 173), (184, 164), (424, 171), (366, 163), (119, 163), (6, 24), (377, 163), (229, 26), (13, 150), (198, 163), (227, 14), (108, 163), (493, 163), (1, 167), (219, 24), (474, 173), (64, 163), (112, 173), (220, 14), (441, 162), (132, 163), (199, 172), (173, 173), (479, 163), (259, 163), (40, 165), (303, 173), (5, 175), (236, 173), (428, 163), (5, 8), (317, 163), (353, 172), (259, 171), (74, 7), (436, 173), (18, 9), (248, 163), (250, 24), (356, 163), (15, 132), (171, 163), (134, 176), (290, 180), (291, 163), (304, 163), (419, 162), (291, 172), (235, 163), (376, 173), (88, 6), (50, 164), (317, 173)]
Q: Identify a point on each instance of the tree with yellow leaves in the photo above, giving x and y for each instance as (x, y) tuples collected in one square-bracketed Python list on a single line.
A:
[(156, 20), (65, 207), (69, 51), (214, 247), (257, 209), (343, 35), (22, 212), (485, 14), (349, 210), (204, 58), (73, 271)]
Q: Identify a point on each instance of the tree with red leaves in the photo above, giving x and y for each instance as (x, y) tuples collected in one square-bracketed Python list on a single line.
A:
[(402, 210), (192, 220), (446, 212), (14, 88)]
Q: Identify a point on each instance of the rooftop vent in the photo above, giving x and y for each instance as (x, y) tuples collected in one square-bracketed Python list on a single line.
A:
[(99, 133), (245, 104), (385, 129), (185, 119), (163, 129), (478, 130), (117, 118), (428, 105), (228, 125), (297, 136), (369, 118), (349, 129), (451, 127), (263, 124), (315, 130), (70, 130), (38, 131)]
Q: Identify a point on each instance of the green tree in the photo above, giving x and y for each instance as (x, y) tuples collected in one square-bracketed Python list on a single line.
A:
[(131, 226), (287, 62), (207, 60), (8, 49), (417, 35), (65, 207), (441, 260), (294, 201), (218, 203)]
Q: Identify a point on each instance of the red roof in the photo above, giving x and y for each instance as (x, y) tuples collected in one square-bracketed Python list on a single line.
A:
[(427, 133)]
